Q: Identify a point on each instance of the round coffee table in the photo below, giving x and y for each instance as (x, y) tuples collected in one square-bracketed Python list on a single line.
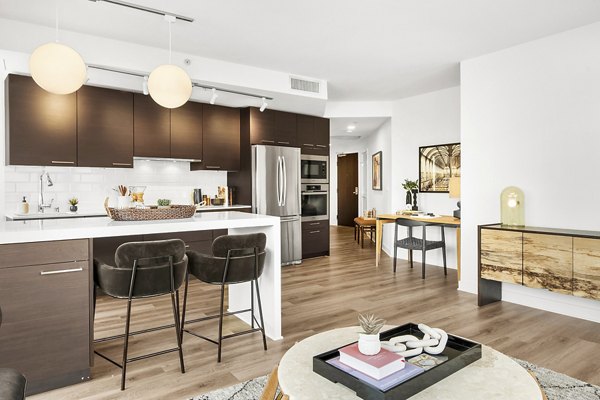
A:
[(494, 376)]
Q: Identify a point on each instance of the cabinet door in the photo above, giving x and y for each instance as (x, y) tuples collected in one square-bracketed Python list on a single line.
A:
[(586, 268), (186, 131), (42, 127), (306, 134), (221, 139), (104, 128), (321, 136), (548, 262), (501, 257), (285, 129), (315, 239), (151, 128), (45, 330), (262, 127)]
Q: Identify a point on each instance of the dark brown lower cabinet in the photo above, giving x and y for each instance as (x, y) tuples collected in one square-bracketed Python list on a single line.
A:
[(45, 329), (315, 239)]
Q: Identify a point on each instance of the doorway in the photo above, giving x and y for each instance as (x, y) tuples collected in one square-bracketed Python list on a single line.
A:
[(347, 178)]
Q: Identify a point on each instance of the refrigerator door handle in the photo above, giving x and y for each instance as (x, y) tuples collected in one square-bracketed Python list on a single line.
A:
[(280, 178), (284, 194)]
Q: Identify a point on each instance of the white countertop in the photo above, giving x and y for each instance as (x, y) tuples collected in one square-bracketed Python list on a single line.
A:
[(102, 213), (83, 228)]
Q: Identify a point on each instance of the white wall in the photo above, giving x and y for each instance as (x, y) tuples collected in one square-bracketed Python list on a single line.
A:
[(428, 119), (530, 118), (370, 144)]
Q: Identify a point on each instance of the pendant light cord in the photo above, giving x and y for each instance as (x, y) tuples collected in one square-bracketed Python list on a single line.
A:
[(170, 23), (56, 18)]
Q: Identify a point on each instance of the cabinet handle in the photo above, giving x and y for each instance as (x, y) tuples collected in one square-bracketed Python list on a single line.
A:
[(322, 145), (187, 246), (121, 164), (311, 232), (283, 142), (308, 144), (63, 162), (315, 223), (213, 167), (61, 271), (267, 141)]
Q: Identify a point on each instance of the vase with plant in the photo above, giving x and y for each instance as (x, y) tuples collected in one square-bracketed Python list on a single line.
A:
[(163, 203), (73, 202), (368, 339), (412, 188)]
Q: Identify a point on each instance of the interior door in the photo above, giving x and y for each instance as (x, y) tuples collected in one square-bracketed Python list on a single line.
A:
[(347, 209)]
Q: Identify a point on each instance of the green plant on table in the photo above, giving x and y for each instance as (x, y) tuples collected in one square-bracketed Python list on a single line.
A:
[(163, 202), (410, 185), (73, 201), (370, 324)]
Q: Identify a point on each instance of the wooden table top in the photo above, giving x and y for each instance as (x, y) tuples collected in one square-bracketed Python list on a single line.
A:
[(440, 219)]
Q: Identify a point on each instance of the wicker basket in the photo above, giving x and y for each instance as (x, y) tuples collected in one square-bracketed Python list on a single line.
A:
[(149, 214)]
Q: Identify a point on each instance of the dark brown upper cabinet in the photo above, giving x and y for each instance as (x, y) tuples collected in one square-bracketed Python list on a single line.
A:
[(220, 139), (41, 126), (313, 135), (186, 131), (272, 127), (104, 128), (151, 128)]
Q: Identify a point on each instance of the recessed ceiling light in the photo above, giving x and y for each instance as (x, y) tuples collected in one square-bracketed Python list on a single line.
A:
[(350, 127)]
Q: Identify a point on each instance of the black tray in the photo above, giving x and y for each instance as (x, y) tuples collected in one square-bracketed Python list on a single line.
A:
[(460, 353)]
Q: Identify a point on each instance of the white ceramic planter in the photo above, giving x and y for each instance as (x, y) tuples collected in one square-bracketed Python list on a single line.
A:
[(369, 344)]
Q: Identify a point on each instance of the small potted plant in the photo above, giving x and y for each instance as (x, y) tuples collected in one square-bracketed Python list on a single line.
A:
[(73, 202), (368, 339), (163, 203), (412, 188)]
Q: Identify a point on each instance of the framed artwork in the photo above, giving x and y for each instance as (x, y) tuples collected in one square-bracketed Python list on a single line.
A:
[(436, 165), (376, 163)]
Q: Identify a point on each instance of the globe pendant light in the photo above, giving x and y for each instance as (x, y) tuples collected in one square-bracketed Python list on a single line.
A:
[(169, 85), (57, 68)]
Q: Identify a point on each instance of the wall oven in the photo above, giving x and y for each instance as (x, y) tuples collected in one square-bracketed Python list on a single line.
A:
[(315, 202), (314, 169)]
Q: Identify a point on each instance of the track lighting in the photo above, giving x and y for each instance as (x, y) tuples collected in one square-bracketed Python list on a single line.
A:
[(264, 105), (145, 85), (57, 68), (169, 85), (214, 96)]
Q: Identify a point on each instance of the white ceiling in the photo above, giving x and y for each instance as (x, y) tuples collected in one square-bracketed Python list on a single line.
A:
[(367, 50), (363, 126)]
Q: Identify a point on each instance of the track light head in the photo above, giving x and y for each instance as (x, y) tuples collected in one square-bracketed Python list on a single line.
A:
[(214, 96), (264, 105)]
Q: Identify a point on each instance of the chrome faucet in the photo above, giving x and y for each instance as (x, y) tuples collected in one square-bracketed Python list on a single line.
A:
[(42, 206)]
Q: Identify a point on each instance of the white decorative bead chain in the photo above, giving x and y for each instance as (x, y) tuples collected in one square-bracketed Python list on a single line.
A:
[(434, 342)]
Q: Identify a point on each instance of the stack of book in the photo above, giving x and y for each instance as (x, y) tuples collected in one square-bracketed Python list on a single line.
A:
[(383, 370)]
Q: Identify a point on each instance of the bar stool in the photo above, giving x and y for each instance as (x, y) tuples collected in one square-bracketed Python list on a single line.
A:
[(237, 259), (144, 269)]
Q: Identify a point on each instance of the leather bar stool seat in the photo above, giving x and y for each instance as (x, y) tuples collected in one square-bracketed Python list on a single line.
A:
[(12, 384)]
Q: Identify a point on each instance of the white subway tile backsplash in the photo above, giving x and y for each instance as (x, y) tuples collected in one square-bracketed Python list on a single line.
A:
[(163, 179)]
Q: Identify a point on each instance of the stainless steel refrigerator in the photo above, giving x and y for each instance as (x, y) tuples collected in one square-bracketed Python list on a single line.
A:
[(276, 191)]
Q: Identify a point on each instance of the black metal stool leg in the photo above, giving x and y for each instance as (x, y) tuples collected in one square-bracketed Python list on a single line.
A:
[(221, 321), (262, 321), (126, 344), (175, 303), (252, 304), (185, 294)]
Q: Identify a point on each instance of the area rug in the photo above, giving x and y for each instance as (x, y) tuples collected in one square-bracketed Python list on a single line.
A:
[(556, 386)]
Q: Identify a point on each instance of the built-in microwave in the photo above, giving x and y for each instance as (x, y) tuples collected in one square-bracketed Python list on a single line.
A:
[(315, 202), (314, 169)]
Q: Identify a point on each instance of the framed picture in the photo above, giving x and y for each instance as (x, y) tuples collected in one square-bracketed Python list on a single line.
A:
[(376, 162), (436, 165)]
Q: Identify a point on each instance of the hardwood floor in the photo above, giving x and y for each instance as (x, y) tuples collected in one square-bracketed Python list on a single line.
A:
[(318, 295)]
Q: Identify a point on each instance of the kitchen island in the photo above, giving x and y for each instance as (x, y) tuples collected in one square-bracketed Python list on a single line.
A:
[(46, 283)]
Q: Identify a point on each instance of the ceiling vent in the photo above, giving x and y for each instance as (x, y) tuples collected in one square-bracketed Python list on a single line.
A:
[(305, 85)]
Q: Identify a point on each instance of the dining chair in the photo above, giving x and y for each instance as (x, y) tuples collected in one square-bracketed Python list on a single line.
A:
[(272, 391), (412, 243)]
